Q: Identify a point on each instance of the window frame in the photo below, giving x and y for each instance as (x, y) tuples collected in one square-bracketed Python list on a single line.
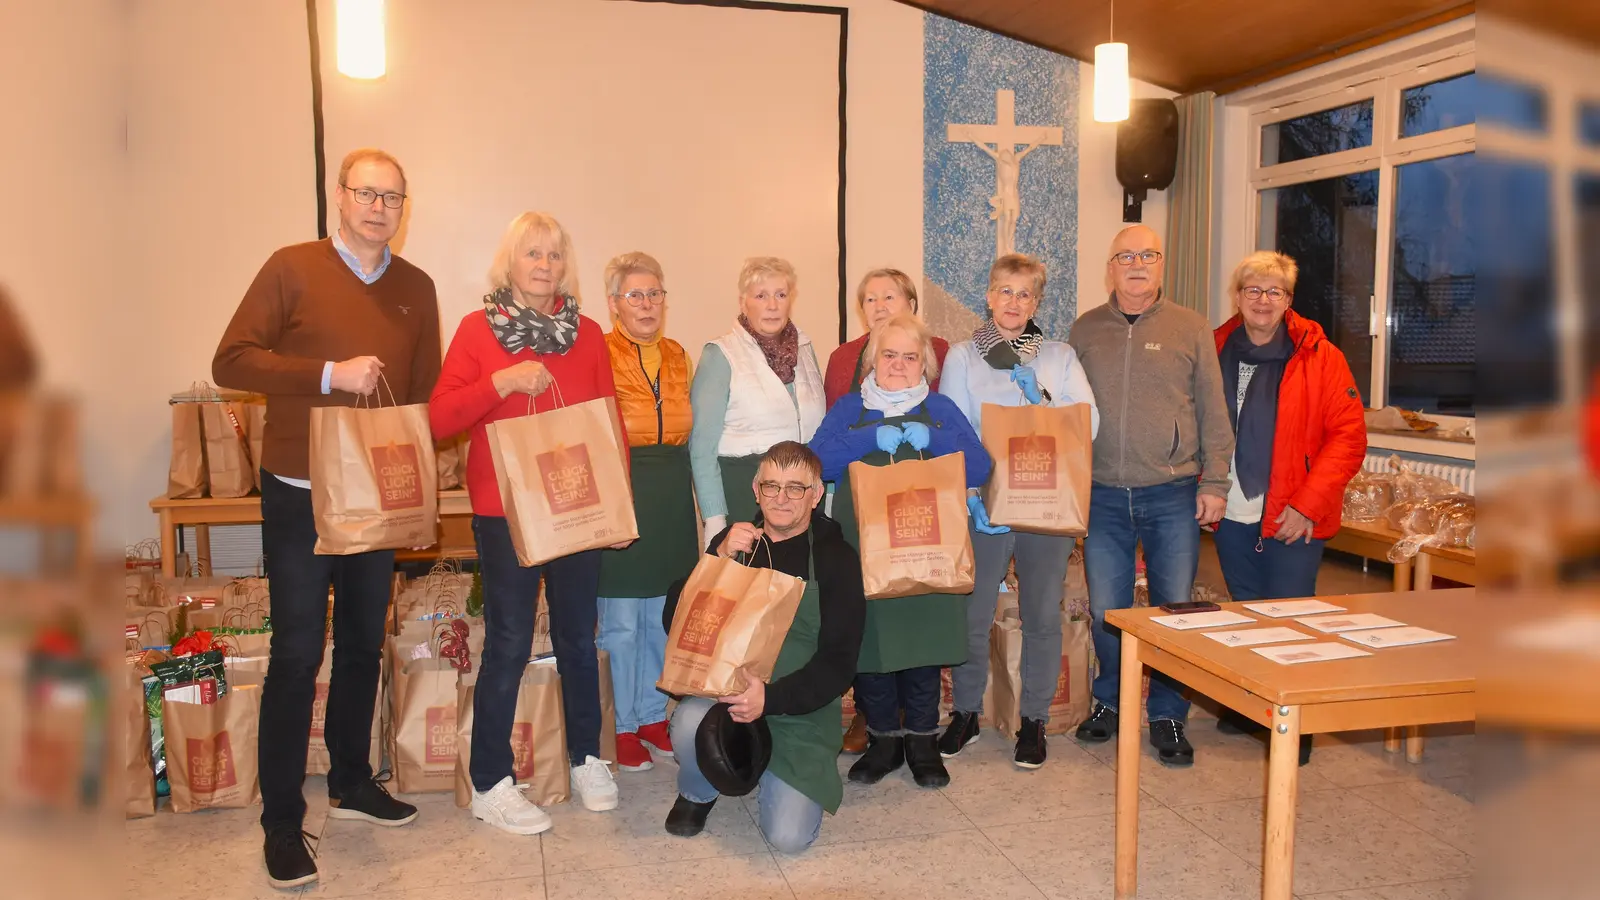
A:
[(1383, 83)]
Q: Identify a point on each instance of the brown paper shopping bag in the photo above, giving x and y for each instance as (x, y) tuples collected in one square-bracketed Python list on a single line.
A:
[(451, 459), (1043, 457), (729, 616), (947, 695), (211, 751), (255, 429), (538, 737), (425, 726), (373, 481), (138, 768), (186, 473), (563, 481), (1005, 675), (913, 521), (228, 468), (1070, 706)]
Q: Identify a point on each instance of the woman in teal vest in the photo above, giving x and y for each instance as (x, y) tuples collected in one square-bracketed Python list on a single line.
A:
[(894, 417), (815, 664)]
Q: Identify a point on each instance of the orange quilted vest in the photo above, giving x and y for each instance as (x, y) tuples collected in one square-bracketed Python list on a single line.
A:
[(646, 422)]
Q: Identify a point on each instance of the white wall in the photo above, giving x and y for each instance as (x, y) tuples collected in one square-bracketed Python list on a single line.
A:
[(218, 173)]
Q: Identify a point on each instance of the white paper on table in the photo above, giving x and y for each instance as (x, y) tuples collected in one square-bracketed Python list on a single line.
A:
[(1353, 622), (1278, 609), (1294, 654), (1203, 620), (1251, 636), (1396, 637)]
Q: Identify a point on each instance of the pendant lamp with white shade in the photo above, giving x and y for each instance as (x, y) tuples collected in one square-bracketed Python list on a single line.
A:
[(1112, 87)]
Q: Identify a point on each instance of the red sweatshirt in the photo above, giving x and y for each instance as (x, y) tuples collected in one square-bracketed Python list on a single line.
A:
[(465, 396)]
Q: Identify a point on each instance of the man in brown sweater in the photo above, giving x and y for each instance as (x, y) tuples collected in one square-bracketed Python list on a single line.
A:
[(322, 323)]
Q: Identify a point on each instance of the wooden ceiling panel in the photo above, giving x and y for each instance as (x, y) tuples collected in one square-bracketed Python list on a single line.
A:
[(1194, 45)]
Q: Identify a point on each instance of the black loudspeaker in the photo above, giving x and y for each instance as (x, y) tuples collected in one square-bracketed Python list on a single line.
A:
[(1147, 152)]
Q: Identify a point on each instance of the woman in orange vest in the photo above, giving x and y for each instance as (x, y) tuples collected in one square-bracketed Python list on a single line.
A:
[(652, 374)]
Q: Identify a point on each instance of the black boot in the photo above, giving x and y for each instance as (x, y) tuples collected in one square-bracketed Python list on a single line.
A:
[(927, 766), (688, 818), (885, 753)]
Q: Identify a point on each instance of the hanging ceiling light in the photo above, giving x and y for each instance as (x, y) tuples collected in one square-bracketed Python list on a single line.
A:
[(1112, 87), (361, 46)]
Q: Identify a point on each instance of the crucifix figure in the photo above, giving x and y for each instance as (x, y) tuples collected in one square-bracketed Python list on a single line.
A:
[(1005, 207)]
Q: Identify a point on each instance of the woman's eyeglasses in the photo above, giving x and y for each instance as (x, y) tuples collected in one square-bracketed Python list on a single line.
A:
[(792, 490), (641, 298), (1276, 295)]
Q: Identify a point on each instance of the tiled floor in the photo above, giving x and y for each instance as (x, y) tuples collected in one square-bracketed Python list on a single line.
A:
[(1370, 827)]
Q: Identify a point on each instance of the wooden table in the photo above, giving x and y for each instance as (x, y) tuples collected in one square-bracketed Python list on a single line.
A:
[(455, 533), (65, 524), (1372, 540), (1416, 685)]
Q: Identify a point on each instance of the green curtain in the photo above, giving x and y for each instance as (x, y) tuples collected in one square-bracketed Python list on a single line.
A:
[(1189, 215)]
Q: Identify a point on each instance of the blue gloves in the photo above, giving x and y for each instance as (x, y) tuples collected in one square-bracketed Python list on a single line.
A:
[(1028, 381), (889, 438), (916, 435), (980, 518)]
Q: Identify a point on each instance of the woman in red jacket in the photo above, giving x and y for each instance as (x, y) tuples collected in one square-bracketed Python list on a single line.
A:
[(882, 295), (1299, 437), (527, 338)]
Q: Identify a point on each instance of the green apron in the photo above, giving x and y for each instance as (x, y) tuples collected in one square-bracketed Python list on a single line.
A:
[(902, 632), (663, 505), (805, 748), (737, 473)]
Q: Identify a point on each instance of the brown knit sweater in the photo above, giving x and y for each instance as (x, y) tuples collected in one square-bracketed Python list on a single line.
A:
[(306, 308)]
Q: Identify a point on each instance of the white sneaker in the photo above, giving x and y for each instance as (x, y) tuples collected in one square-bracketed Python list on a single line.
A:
[(505, 807), (593, 784)]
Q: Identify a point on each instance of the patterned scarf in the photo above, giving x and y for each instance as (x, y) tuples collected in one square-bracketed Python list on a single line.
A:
[(1002, 353), (520, 327), (782, 350)]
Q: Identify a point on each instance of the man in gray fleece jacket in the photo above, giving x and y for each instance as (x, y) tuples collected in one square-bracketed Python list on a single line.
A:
[(1160, 466)]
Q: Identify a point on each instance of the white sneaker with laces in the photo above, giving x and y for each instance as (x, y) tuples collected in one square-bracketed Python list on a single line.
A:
[(594, 786), (505, 807)]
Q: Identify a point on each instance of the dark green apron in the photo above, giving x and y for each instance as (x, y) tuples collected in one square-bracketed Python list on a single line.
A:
[(663, 505), (737, 473), (902, 632), (805, 748)]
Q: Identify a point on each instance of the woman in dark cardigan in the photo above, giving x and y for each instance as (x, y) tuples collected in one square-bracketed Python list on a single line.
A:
[(893, 416)]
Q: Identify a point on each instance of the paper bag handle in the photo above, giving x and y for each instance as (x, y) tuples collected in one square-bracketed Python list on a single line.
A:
[(561, 401), (363, 403)]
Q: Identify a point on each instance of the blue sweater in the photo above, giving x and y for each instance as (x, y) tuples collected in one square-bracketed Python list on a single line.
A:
[(839, 442)]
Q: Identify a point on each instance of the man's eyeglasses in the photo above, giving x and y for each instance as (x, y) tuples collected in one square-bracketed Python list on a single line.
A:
[(1275, 294), (792, 490), (1148, 257), (365, 196), (1008, 294), (639, 298)]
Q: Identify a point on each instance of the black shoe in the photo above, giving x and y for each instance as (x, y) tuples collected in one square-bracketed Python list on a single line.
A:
[(962, 730), (288, 854), (1100, 727), (885, 753), (688, 818), (927, 766), (369, 802), (1172, 748), (1230, 722), (1030, 745)]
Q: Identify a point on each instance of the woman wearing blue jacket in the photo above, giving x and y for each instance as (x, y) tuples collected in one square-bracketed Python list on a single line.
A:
[(894, 417)]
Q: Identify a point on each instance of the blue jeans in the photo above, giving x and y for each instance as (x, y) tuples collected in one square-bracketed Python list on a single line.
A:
[(1160, 517), (631, 633), (790, 820), (1258, 568), (510, 603), (882, 697)]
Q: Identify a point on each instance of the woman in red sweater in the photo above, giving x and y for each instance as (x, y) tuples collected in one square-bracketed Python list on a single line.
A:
[(527, 339), (882, 295)]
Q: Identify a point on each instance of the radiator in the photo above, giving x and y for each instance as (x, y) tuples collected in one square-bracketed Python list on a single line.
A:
[(1462, 476)]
